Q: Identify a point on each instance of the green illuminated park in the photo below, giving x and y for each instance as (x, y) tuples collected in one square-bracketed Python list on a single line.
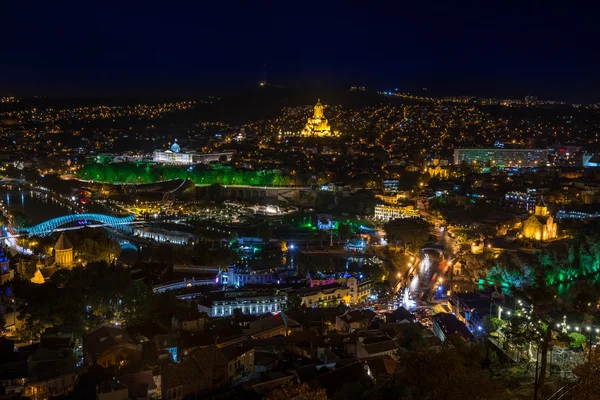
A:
[(145, 172)]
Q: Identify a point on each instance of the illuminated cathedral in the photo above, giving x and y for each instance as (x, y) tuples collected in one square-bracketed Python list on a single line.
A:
[(63, 252), (317, 125), (540, 226)]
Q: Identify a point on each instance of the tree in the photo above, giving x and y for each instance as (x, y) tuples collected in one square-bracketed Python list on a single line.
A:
[(314, 262), (577, 340), (99, 249), (344, 231), (19, 219), (412, 231), (138, 306), (542, 297), (26, 268), (204, 255), (265, 232), (458, 375), (162, 253), (290, 390), (294, 301), (492, 324), (585, 296), (588, 375), (356, 390), (412, 338)]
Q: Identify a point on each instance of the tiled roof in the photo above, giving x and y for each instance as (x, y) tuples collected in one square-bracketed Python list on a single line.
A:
[(332, 381), (379, 366), (233, 352), (269, 323), (105, 337), (357, 315), (194, 368), (316, 289), (183, 373), (63, 243), (165, 341), (449, 324), (381, 347), (209, 357)]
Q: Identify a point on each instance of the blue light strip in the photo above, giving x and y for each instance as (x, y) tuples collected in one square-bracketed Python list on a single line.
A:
[(49, 226)]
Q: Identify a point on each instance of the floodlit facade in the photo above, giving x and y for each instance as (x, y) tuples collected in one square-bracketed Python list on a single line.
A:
[(164, 235), (360, 290), (502, 158), (248, 302), (317, 125), (63, 252), (325, 296), (541, 225), (176, 155), (385, 212)]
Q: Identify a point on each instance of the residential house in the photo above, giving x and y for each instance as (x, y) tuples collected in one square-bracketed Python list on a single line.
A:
[(109, 346), (195, 322), (445, 324), (399, 315), (166, 347), (240, 362), (332, 381), (360, 290), (354, 320), (13, 369), (325, 295), (49, 374), (381, 369), (272, 326), (375, 347), (201, 372), (112, 390)]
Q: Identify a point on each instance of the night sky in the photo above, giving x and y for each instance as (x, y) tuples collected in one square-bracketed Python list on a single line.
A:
[(60, 49)]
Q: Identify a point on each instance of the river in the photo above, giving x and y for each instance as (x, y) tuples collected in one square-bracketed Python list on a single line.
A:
[(38, 206)]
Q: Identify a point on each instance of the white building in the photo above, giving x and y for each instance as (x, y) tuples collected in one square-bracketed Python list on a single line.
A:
[(386, 212), (176, 155), (164, 236), (236, 276), (359, 290), (248, 302)]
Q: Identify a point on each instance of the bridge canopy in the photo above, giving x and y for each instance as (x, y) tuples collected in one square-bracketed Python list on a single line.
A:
[(47, 227)]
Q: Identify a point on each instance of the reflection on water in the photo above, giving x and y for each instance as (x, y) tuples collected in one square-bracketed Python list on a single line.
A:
[(38, 206), (564, 291)]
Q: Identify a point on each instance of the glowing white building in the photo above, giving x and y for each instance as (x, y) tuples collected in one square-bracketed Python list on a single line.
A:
[(179, 156)]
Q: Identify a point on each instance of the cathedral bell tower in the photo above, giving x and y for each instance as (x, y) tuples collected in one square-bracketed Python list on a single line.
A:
[(541, 210)]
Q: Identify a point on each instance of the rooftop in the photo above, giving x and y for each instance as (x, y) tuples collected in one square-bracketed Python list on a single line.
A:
[(63, 243)]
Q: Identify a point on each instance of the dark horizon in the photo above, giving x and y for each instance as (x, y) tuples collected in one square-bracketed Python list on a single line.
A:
[(142, 49)]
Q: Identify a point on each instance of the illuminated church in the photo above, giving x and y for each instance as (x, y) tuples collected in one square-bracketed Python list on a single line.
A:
[(540, 226), (317, 125), (63, 252)]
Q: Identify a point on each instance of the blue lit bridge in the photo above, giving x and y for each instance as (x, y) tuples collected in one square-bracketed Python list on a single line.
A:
[(91, 220), (127, 245)]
